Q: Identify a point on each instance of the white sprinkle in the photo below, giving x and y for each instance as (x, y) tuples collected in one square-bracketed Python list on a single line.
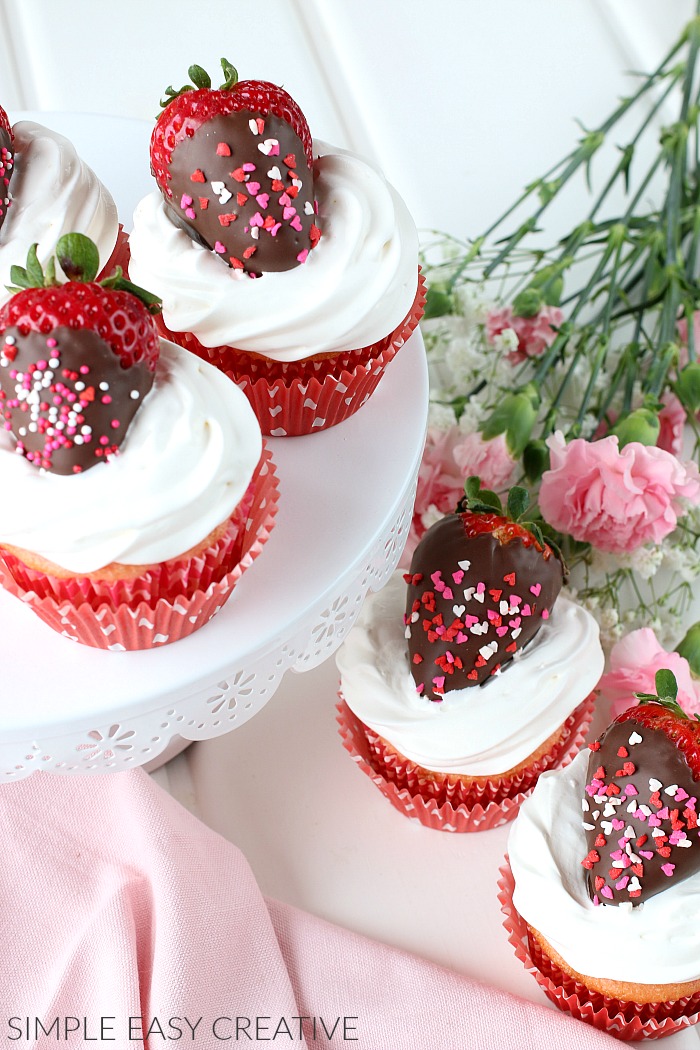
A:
[(635, 739), (654, 785), (134, 395), (671, 790), (104, 386)]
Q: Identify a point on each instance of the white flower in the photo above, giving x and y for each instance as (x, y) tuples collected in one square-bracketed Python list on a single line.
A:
[(441, 417), (505, 342)]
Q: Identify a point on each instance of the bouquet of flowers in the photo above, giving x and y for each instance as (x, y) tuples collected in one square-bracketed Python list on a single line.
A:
[(573, 368)]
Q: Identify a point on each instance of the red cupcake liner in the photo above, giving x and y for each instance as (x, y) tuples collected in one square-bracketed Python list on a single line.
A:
[(172, 579), (302, 397), (451, 805), (120, 256), (146, 623), (627, 1020)]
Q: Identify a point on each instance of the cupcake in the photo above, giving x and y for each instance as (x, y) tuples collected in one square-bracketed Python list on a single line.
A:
[(603, 890), (135, 485), (466, 678), (291, 265), (48, 191)]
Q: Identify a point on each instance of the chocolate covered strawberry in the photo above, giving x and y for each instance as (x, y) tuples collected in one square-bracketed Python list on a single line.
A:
[(7, 161), (480, 587), (640, 807), (76, 359), (235, 167)]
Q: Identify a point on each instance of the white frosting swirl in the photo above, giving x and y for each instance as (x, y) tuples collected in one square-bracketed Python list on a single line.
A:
[(53, 192), (481, 731), (185, 463), (657, 942), (356, 286)]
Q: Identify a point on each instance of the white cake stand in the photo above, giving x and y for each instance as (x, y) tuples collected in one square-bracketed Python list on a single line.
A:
[(346, 497)]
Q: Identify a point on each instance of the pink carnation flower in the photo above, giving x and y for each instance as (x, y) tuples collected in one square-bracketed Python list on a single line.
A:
[(672, 420), (491, 460), (449, 458), (616, 499), (534, 333), (634, 661)]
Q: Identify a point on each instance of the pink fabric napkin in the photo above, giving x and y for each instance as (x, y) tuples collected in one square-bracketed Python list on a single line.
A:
[(120, 912)]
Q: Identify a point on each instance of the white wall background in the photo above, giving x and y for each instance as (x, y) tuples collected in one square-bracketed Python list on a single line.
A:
[(460, 101)]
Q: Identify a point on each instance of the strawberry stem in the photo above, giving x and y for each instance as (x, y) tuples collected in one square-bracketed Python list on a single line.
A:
[(201, 81)]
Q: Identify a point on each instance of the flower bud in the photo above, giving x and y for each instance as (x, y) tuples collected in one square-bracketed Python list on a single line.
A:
[(515, 416), (528, 303), (438, 301), (688, 387), (642, 425), (535, 459), (689, 648)]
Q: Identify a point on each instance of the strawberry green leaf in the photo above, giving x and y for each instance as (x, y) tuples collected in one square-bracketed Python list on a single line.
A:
[(230, 73), (78, 257), (472, 486), (518, 501), (666, 685), (199, 77), (20, 279), (35, 271)]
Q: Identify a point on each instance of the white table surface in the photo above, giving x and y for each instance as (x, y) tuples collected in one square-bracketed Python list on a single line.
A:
[(319, 835)]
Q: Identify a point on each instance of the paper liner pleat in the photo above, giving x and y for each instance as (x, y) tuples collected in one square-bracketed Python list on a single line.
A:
[(170, 579), (449, 804), (302, 397), (627, 1020), (148, 623)]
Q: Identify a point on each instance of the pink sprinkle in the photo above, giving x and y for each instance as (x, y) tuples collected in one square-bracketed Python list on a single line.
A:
[(515, 599), (480, 588), (189, 212), (303, 255), (257, 219), (526, 610), (439, 682), (545, 614), (296, 224), (462, 638), (185, 201), (263, 200), (668, 869), (500, 631), (535, 589), (253, 188), (273, 229), (622, 883), (606, 892), (248, 166), (447, 593), (84, 369), (654, 821), (681, 795), (458, 576), (106, 400), (420, 688), (219, 247), (115, 424), (647, 854), (630, 789)]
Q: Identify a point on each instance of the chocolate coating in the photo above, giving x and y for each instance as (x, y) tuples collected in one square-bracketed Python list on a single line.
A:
[(6, 169), (259, 218), (472, 603), (632, 826), (67, 398)]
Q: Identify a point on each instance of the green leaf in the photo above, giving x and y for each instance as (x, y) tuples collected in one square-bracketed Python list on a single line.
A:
[(688, 387), (438, 302), (666, 685), (488, 499), (35, 271), (535, 459), (20, 278), (528, 303), (78, 257), (230, 74), (472, 486), (199, 77), (518, 502)]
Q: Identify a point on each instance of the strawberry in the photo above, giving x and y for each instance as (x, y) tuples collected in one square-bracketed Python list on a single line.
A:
[(641, 800), (235, 167), (7, 161), (479, 588), (76, 359)]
